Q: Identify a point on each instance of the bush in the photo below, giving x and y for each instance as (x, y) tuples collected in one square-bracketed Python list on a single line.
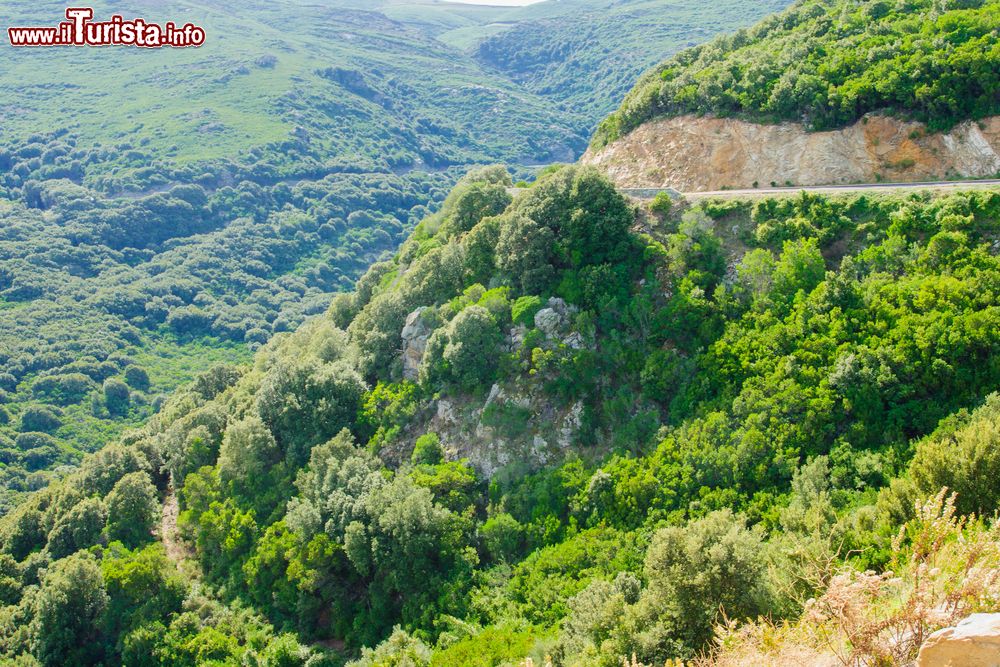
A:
[(713, 564), (39, 418), (133, 509), (965, 460), (523, 310), (137, 377), (63, 389), (427, 450), (117, 396)]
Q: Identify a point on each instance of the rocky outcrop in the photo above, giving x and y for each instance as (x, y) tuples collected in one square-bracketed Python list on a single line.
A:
[(555, 317), (975, 642), (695, 154), (415, 334)]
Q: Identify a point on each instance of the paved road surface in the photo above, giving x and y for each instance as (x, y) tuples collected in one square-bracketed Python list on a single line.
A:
[(649, 193)]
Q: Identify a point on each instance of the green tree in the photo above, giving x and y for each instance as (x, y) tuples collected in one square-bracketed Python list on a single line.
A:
[(712, 564), (306, 402), (966, 460), (68, 614), (116, 396), (473, 347), (137, 377), (247, 454), (79, 528), (39, 418), (427, 450), (133, 509), (524, 253)]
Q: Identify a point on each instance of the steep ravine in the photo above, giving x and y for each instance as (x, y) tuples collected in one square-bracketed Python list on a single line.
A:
[(694, 154)]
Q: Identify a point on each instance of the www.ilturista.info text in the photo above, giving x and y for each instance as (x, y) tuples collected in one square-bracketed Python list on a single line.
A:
[(80, 30)]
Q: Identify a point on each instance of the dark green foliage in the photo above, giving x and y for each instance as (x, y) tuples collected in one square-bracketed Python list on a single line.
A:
[(468, 205), (69, 608), (39, 418), (117, 396), (80, 528), (137, 377), (133, 509), (466, 351), (306, 403), (63, 389), (524, 254)]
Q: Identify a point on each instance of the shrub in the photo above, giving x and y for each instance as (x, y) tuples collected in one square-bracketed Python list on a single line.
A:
[(137, 377), (427, 450), (39, 418)]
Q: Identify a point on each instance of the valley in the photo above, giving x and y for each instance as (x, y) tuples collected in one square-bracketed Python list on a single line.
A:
[(175, 208), (409, 359)]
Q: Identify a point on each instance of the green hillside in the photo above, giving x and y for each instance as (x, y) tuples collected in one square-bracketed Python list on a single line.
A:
[(586, 60), (332, 393), (163, 210), (828, 63), (722, 410)]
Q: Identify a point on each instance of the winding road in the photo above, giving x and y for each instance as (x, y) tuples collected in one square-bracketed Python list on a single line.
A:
[(649, 193)]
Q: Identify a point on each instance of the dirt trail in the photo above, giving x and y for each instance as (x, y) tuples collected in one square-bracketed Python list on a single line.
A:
[(177, 550)]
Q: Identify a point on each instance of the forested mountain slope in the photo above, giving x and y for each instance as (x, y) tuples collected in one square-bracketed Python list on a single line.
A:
[(826, 64), (760, 394), (585, 56), (165, 209)]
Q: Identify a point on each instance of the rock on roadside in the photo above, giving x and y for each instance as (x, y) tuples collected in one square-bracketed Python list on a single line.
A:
[(974, 642)]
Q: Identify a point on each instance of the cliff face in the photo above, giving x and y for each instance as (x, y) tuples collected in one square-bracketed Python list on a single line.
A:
[(694, 154)]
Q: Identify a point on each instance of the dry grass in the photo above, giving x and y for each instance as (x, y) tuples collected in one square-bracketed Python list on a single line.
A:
[(949, 568)]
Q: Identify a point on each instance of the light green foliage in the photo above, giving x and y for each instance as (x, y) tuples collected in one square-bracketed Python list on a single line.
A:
[(399, 650), (662, 203), (453, 484), (142, 586), (523, 310), (503, 537), (427, 449), (488, 647), (692, 572), (965, 458), (800, 267)]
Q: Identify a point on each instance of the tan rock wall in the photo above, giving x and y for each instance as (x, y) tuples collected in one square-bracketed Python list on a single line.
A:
[(694, 154)]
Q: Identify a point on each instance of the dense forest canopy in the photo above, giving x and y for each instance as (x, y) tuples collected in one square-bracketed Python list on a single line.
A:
[(759, 393), (826, 63)]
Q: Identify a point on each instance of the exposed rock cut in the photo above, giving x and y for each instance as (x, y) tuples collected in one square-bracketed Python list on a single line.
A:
[(693, 154)]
